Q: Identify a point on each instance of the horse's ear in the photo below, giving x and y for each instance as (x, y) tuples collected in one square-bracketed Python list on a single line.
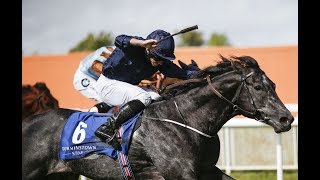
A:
[(193, 66), (41, 86), (193, 63), (183, 65)]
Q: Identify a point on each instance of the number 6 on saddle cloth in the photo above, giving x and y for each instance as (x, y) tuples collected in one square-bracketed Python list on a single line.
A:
[(78, 138)]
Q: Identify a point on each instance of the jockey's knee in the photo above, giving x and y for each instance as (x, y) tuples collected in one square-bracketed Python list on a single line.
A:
[(93, 109), (100, 108), (145, 98)]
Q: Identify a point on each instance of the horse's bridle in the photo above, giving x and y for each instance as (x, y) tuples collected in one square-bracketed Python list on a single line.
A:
[(234, 99), (254, 114)]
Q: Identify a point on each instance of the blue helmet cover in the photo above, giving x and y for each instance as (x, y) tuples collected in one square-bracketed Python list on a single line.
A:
[(165, 49)]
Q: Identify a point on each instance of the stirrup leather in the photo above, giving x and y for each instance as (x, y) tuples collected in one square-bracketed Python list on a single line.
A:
[(113, 141)]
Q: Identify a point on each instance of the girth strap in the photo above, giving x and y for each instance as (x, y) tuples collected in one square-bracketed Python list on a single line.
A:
[(125, 166), (124, 160)]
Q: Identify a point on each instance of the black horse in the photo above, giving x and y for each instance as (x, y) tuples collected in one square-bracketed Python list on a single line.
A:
[(160, 148)]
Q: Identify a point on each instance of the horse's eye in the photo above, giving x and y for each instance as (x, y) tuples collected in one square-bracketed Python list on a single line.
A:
[(257, 88)]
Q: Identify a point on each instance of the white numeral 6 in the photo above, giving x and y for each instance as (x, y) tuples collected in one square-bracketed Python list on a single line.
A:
[(79, 133)]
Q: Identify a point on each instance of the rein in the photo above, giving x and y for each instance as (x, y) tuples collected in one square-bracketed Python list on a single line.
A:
[(180, 124), (165, 89)]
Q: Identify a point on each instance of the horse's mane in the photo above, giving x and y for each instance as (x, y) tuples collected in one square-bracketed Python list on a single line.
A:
[(224, 65)]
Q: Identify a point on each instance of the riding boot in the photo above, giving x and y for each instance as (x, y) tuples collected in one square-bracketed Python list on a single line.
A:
[(108, 130)]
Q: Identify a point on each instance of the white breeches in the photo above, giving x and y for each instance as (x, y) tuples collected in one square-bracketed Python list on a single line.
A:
[(117, 93), (85, 85)]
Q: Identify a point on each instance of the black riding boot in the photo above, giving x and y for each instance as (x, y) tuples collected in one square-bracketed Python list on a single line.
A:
[(107, 131)]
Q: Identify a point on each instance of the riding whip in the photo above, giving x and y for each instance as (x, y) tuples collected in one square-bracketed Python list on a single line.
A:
[(180, 32)]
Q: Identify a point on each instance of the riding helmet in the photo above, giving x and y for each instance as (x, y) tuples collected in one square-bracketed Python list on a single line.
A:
[(165, 49)]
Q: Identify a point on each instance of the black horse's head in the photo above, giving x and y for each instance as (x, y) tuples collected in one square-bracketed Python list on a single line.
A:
[(247, 89)]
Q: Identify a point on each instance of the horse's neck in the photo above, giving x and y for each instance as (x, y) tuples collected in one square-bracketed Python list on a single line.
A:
[(202, 111), (198, 108)]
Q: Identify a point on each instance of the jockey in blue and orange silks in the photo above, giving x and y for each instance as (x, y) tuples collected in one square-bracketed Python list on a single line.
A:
[(133, 60)]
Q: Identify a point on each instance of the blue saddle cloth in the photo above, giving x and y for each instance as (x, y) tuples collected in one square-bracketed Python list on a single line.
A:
[(78, 139)]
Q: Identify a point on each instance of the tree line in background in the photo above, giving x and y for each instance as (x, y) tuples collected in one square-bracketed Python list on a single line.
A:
[(95, 41)]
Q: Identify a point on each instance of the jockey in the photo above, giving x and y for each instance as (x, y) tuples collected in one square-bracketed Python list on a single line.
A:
[(88, 73), (133, 60)]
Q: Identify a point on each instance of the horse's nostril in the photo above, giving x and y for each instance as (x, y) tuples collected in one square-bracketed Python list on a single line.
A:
[(283, 120), (286, 121)]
